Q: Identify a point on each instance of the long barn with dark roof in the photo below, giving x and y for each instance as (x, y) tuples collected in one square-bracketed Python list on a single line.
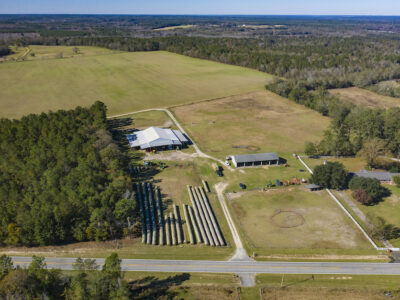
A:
[(258, 159)]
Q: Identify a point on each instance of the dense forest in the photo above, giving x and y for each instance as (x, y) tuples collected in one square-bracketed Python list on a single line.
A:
[(62, 178), (201, 25)]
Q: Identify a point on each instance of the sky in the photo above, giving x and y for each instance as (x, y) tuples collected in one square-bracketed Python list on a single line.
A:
[(201, 7)]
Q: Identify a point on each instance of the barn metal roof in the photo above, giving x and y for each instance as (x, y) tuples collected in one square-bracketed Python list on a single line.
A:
[(255, 157), (156, 137)]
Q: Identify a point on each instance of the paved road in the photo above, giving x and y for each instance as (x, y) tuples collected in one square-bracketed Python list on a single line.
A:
[(239, 267)]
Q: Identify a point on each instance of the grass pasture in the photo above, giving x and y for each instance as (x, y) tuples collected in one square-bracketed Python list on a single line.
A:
[(143, 120), (259, 177), (352, 164), (51, 52), (39, 52), (251, 123), (123, 81), (388, 209), (365, 97), (293, 218)]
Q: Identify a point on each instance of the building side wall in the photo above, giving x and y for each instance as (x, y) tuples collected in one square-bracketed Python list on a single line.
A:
[(255, 163)]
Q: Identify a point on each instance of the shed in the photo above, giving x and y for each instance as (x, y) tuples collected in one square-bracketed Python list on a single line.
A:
[(258, 159), (313, 187)]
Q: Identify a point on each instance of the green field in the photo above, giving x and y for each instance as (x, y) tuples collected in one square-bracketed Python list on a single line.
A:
[(259, 177), (293, 218), (251, 123), (38, 52), (143, 120), (352, 164), (389, 209), (123, 81)]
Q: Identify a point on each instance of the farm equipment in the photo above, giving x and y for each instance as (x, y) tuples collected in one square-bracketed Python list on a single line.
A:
[(270, 184), (295, 181), (218, 169)]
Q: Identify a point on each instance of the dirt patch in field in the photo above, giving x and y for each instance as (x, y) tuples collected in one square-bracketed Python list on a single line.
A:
[(239, 211), (287, 219), (173, 156), (248, 147)]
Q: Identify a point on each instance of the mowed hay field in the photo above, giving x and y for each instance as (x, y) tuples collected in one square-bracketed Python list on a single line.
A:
[(364, 97), (250, 123), (123, 81), (294, 218)]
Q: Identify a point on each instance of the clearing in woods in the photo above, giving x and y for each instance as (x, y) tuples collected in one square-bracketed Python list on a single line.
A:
[(123, 81), (294, 218), (364, 97)]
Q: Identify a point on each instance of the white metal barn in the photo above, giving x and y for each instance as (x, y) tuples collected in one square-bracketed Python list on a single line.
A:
[(155, 138), (259, 159)]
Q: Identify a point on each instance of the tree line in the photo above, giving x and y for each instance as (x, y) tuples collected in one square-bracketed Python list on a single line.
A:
[(87, 282), (62, 179)]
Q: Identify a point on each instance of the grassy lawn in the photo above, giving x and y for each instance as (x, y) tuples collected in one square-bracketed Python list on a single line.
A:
[(389, 209), (39, 52), (352, 164), (328, 286), (51, 52), (259, 177), (123, 81), (293, 218), (251, 123), (364, 97), (144, 120), (150, 285)]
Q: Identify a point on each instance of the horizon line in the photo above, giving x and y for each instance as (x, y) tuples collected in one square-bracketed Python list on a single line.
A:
[(200, 15)]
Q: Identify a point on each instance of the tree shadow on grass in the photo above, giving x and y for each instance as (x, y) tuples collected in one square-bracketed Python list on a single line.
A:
[(153, 288), (118, 123), (311, 278)]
